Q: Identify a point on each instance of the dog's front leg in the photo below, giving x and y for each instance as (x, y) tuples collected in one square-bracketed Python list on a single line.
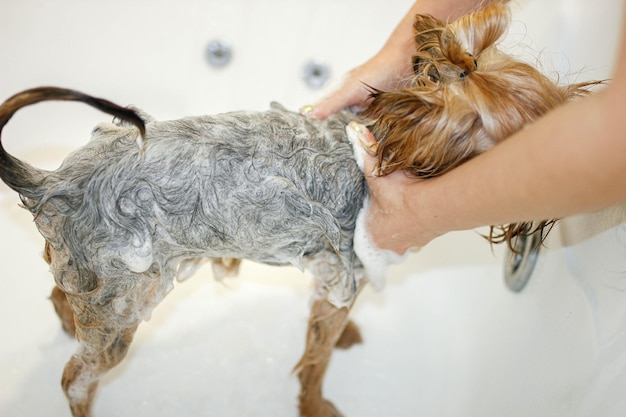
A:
[(328, 327)]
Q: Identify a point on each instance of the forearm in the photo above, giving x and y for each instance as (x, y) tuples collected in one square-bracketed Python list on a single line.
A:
[(568, 162)]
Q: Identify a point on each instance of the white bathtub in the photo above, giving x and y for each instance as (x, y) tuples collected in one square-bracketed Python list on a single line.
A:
[(446, 337)]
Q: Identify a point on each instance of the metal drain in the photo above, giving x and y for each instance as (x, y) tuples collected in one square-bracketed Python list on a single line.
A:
[(521, 261)]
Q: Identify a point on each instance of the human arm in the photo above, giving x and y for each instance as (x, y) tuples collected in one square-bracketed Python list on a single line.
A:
[(392, 63), (570, 161)]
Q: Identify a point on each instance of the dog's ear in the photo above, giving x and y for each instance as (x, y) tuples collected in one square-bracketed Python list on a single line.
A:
[(475, 32), (427, 40), (427, 30), (448, 53)]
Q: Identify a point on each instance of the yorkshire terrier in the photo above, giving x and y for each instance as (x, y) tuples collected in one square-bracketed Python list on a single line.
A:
[(144, 200)]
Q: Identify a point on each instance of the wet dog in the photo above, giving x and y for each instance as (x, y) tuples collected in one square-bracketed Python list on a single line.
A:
[(122, 221), (144, 200)]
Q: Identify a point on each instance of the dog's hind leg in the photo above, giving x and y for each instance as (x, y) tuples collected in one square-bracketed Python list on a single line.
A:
[(59, 300), (350, 336), (63, 310), (106, 319), (327, 326), (101, 349)]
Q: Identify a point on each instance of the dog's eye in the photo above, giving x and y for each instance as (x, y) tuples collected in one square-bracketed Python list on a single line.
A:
[(417, 63), (433, 74)]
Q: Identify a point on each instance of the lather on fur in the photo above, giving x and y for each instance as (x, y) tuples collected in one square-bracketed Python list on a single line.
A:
[(122, 221)]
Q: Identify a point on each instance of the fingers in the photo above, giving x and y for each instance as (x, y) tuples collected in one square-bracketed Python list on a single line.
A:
[(330, 105), (364, 146), (340, 99), (385, 70), (359, 134), (351, 93)]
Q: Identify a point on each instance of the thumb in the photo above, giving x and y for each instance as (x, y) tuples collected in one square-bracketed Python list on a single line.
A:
[(364, 145)]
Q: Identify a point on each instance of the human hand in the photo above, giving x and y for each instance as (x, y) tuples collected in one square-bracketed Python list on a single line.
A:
[(392, 223), (384, 71), (392, 66)]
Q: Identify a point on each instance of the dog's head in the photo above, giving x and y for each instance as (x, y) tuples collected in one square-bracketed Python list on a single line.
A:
[(466, 96)]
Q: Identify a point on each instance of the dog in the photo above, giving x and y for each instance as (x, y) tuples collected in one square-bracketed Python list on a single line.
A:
[(145, 201), (121, 221)]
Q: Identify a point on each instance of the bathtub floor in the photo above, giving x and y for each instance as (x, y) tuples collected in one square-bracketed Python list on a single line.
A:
[(227, 349), (441, 342)]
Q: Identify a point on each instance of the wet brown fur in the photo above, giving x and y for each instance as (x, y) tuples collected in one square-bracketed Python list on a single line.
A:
[(328, 328)]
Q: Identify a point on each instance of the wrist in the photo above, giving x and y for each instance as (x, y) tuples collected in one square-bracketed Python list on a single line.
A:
[(423, 206)]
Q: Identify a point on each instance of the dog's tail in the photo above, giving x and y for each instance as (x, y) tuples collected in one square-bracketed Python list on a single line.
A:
[(24, 178)]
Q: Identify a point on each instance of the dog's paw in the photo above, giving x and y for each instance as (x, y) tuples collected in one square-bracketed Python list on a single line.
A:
[(321, 408), (350, 336)]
